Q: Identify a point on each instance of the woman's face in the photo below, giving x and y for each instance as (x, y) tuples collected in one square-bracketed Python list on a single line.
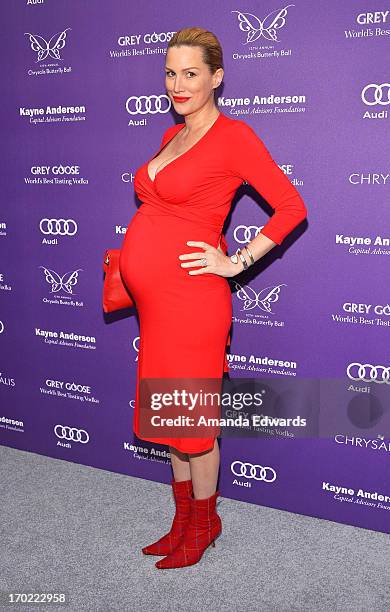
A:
[(188, 80)]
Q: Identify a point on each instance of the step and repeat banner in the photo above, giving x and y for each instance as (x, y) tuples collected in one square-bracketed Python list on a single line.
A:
[(83, 106)]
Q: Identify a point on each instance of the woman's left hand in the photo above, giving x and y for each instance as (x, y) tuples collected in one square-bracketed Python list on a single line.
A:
[(217, 261)]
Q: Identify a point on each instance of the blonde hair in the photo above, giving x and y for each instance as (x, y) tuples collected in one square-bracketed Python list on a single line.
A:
[(198, 37)]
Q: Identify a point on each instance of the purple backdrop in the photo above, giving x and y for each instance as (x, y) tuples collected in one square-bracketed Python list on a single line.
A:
[(83, 106)]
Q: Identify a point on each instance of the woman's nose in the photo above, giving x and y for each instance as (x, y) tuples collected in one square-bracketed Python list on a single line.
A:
[(176, 86)]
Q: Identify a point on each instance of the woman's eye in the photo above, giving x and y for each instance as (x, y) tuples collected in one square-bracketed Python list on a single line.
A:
[(168, 73)]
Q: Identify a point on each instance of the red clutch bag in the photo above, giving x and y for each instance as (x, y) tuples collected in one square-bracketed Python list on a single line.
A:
[(115, 293)]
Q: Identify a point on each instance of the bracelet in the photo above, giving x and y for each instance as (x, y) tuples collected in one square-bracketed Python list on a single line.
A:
[(234, 258), (241, 256), (238, 254), (250, 254)]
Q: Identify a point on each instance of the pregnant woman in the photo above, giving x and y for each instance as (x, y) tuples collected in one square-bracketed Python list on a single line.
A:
[(174, 262)]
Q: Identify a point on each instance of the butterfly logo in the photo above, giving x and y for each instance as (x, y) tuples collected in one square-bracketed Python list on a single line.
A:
[(262, 300), (45, 48), (64, 282), (267, 28)]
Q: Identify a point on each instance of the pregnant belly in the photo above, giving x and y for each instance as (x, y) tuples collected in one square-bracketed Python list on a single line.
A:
[(150, 264)]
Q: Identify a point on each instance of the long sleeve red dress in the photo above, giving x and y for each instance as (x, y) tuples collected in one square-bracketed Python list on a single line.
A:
[(185, 319)]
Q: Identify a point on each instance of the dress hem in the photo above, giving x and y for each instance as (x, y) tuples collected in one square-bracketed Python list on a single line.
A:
[(177, 447)]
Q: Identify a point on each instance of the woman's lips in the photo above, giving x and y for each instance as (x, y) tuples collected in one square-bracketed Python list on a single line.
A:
[(180, 99)]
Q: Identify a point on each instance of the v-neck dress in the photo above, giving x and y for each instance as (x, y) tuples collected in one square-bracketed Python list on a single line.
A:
[(185, 319)]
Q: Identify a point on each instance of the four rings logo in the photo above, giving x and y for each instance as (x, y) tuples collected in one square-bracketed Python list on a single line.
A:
[(373, 94), (244, 233), (54, 227), (136, 346), (368, 373), (71, 433), (148, 105), (257, 472)]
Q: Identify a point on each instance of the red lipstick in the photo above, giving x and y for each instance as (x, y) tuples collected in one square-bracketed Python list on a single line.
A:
[(180, 99)]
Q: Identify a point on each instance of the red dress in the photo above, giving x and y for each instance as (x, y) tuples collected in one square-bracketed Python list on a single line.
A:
[(185, 319)]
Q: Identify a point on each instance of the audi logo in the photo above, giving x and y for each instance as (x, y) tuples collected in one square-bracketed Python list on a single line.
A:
[(244, 233), (377, 92), (258, 472), (143, 105), (63, 227), (358, 371), (71, 433), (135, 343)]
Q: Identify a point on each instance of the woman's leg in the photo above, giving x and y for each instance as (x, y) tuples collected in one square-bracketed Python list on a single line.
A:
[(204, 472), (182, 491), (180, 465)]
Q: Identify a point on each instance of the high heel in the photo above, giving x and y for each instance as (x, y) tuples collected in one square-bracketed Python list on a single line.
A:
[(203, 528), (182, 494)]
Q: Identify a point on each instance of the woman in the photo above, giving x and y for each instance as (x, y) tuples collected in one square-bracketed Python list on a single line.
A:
[(174, 263)]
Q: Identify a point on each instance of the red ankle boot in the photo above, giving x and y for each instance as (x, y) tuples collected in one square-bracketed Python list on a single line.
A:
[(182, 492), (203, 527)]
